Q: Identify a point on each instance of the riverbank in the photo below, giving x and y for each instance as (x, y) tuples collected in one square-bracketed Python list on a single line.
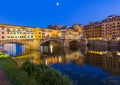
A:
[(3, 78), (110, 43), (32, 74), (15, 75)]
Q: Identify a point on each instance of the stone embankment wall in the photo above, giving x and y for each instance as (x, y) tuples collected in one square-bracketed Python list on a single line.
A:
[(104, 43)]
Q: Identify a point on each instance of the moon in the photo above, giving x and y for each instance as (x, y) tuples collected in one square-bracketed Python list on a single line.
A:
[(57, 3)]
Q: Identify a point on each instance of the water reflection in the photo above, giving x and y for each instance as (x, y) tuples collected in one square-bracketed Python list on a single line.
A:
[(108, 60), (14, 49), (96, 65)]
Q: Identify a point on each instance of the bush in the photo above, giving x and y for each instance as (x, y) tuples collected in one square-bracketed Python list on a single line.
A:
[(32, 74), (44, 75), (16, 75), (2, 55)]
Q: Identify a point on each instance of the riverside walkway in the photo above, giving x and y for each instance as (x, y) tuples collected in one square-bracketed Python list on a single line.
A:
[(3, 78)]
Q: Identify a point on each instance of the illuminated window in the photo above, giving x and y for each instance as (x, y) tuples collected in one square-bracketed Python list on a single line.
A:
[(18, 29), (8, 29), (2, 32), (3, 37), (2, 28)]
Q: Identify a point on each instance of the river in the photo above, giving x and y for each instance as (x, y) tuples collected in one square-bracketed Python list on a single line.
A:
[(85, 65)]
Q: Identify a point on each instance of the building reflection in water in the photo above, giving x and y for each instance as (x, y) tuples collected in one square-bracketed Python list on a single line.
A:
[(14, 49), (109, 60)]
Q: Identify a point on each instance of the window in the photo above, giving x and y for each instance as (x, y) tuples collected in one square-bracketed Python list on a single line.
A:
[(2, 28), (8, 30), (18, 29), (2, 32), (2, 37)]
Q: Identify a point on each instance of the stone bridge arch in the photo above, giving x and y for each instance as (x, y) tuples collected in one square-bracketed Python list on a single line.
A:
[(74, 40), (51, 39), (27, 43), (11, 41)]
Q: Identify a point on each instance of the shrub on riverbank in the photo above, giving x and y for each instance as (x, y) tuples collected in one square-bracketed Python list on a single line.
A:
[(2, 55), (45, 75), (16, 75), (32, 74)]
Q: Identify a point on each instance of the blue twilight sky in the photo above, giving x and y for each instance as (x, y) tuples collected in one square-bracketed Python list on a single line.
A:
[(42, 13)]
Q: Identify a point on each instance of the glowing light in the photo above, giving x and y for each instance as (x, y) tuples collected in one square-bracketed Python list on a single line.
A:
[(51, 48), (118, 53), (57, 3)]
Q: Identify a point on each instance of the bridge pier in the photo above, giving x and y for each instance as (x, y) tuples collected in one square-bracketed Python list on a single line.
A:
[(36, 44), (66, 43)]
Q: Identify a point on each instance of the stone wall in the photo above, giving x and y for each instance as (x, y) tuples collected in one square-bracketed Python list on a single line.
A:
[(104, 43)]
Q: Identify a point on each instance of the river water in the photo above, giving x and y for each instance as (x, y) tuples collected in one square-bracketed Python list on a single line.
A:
[(85, 65)]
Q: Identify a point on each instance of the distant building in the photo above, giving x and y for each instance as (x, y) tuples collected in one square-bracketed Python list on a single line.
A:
[(111, 27), (77, 28), (58, 27), (106, 29), (93, 30)]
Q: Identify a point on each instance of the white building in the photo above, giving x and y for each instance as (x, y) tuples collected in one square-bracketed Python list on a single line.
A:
[(3, 33)]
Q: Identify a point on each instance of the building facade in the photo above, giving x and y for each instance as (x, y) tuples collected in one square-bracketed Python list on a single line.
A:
[(107, 29), (111, 27), (9, 32), (13, 32), (93, 31)]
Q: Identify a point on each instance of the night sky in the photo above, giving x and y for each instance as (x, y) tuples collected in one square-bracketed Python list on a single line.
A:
[(41, 13)]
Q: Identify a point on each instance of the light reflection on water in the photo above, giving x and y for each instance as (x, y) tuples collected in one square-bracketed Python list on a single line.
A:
[(14, 49), (95, 65)]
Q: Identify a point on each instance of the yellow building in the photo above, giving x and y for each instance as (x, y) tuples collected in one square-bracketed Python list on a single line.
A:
[(72, 34), (56, 33), (50, 33), (37, 33)]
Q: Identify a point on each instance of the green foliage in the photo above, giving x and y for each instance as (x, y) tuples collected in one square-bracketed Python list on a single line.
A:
[(44, 75), (32, 74), (2, 55), (16, 75)]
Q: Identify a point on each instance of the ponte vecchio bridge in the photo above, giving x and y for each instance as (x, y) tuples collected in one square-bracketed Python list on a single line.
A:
[(34, 37)]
